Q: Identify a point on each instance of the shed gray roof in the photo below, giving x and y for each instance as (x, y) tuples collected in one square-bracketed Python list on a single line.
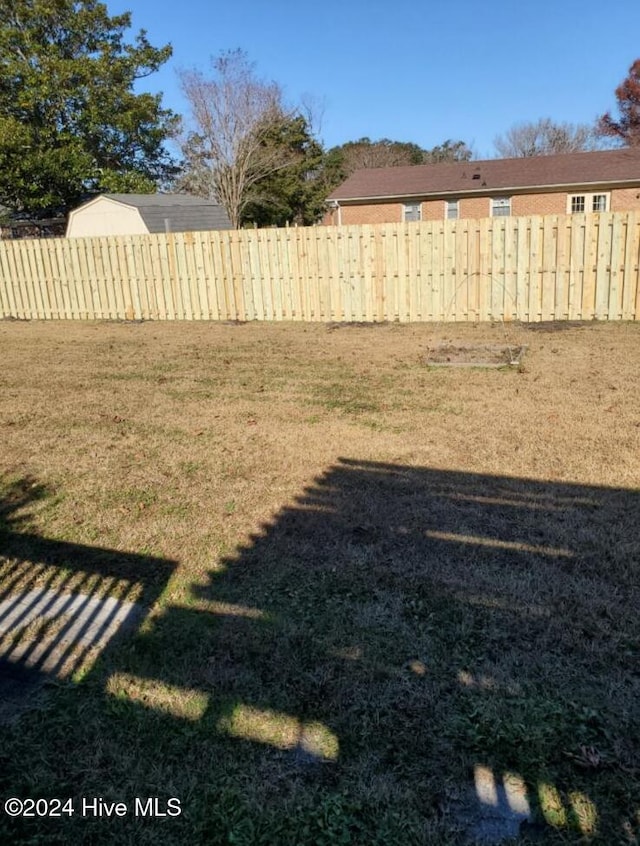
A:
[(175, 212)]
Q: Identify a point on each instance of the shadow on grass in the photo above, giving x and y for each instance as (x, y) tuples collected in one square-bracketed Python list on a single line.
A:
[(61, 603), (400, 647)]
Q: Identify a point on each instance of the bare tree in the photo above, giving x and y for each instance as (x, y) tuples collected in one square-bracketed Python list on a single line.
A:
[(365, 153), (544, 137), (626, 129), (229, 146)]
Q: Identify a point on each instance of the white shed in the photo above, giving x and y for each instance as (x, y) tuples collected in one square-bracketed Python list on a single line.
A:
[(140, 214)]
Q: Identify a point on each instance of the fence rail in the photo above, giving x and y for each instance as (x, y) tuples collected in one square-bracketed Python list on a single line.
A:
[(556, 267)]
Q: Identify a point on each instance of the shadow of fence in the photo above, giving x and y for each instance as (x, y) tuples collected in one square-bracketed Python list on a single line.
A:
[(62, 603), (389, 634)]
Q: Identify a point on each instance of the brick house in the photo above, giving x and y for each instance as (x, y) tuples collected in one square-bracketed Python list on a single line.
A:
[(564, 184)]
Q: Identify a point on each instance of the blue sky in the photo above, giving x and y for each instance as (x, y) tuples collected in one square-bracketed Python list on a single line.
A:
[(410, 71)]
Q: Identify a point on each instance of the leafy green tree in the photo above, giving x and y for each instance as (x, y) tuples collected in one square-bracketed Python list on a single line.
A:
[(70, 122)]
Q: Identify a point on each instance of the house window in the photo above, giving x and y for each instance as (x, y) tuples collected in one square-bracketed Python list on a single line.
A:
[(500, 206), (599, 203), (580, 203), (577, 204), (451, 209), (412, 211)]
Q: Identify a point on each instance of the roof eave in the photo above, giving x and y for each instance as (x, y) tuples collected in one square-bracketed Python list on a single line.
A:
[(616, 183)]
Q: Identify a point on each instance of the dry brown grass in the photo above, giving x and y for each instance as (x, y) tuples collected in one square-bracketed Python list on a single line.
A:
[(412, 570)]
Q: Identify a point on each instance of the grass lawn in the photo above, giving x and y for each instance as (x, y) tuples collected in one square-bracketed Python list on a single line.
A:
[(365, 582)]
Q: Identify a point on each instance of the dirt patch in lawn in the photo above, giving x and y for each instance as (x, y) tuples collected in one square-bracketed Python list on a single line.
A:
[(452, 354)]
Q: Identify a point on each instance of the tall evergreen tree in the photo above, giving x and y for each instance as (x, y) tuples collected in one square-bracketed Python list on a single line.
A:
[(70, 121), (296, 192)]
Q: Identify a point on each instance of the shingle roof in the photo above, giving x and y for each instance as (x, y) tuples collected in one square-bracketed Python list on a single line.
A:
[(175, 212), (571, 169)]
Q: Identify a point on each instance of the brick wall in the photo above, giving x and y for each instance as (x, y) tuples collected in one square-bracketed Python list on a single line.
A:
[(373, 213), (433, 210), (527, 204), (475, 207), (625, 199), (622, 199)]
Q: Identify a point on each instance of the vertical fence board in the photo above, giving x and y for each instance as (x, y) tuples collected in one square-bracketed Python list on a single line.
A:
[(37, 276), (18, 273), (24, 270), (614, 284), (636, 264), (319, 261), (301, 293), (536, 258), (358, 289), (630, 283), (548, 268), (563, 250), (377, 273), (473, 274), (398, 240), (198, 307), (153, 289), (508, 270), (254, 274), (271, 277), (497, 275), (312, 292), (345, 308), (222, 290), (590, 267), (207, 281), (86, 281), (64, 307), (576, 283), (6, 288), (391, 270), (106, 290), (460, 271), (92, 280), (286, 282), (424, 297), (603, 277), (484, 268)]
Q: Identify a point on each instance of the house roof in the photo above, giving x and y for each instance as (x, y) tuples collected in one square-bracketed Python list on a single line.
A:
[(175, 212), (494, 175)]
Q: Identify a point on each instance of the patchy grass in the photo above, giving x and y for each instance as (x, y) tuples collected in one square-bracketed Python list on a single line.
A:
[(365, 579)]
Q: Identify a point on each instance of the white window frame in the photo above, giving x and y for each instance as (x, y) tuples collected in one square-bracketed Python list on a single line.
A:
[(447, 216), (406, 207), (589, 198), (492, 208)]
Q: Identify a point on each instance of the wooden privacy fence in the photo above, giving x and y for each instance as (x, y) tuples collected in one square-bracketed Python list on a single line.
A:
[(577, 267)]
